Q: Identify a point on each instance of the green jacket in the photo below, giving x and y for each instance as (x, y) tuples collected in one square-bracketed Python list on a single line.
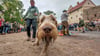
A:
[(81, 22), (31, 13)]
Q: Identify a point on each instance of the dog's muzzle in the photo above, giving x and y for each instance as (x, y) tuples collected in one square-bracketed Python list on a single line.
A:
[(47, 29)]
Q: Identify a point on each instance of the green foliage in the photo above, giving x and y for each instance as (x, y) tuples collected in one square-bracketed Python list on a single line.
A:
[(1, 8), (49, 12), (14, 10)]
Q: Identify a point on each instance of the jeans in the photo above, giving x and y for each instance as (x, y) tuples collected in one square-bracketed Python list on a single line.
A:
[(32, 22), (3, 29), (6, 30)]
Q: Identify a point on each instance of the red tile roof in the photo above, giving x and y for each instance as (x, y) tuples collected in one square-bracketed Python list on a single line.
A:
[(78, 6)]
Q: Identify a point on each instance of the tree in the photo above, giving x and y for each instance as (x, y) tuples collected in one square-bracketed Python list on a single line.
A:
[(1, 8), (13, 10), (48, 12)]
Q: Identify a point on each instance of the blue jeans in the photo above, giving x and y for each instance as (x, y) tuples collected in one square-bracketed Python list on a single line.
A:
[(6, 29), (32, 22)]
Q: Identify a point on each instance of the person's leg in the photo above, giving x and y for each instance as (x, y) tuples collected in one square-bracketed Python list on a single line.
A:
[(83, 29), (63, 29), (6, 29), (99, 28), (67, 28), (34, 27), (80, 29), (9, 30), (28, 22), (34, 31), (17, 30), (14, 29), (0, 29), (68, 31), (3, 29)]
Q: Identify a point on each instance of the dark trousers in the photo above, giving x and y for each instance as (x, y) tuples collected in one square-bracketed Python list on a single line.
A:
[(15, 29), (32, 22), (1, 29), (65, 25)]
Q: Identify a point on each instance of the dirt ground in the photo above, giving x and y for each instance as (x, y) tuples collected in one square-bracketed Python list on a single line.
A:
[(79, 45)]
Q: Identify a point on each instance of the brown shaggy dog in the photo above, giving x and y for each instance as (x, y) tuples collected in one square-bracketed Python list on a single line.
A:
[(47, 31)]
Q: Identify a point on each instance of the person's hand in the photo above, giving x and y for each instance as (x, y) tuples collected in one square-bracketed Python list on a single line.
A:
[(35, 14)]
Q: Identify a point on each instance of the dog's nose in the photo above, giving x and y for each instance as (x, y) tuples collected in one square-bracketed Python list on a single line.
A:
[(47, 29)]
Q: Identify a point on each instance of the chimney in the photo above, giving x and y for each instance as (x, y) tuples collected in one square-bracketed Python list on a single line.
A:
[(78, 3), (70, 7)]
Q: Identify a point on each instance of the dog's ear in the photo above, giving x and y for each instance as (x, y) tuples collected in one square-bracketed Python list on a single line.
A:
[(54, 19), (42, 19)]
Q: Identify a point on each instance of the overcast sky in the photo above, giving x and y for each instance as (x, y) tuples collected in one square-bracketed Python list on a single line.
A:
[(55, 5)]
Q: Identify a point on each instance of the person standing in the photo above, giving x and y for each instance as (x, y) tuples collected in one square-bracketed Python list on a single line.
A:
[(0, 25), (81, 25), (3, 26), (31, 18), (65, 25), (15, 27), (6, 27)]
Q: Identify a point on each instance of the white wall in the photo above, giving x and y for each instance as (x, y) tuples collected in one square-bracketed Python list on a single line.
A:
[(75, 16)]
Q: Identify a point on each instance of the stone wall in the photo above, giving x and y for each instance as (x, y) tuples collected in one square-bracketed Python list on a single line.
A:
[(92, 13)]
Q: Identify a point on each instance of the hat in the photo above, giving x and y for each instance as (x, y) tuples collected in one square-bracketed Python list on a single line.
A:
[(31, 0), (64, 10)]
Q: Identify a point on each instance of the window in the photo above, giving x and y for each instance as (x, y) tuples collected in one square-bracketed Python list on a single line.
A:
[(87, 18), (95, 15), (76, 16), (78, 10), (88, 3), (71, 17), (81, 14)]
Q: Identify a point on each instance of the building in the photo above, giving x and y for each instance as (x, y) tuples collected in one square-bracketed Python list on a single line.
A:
[(77, 11), (92, 13)]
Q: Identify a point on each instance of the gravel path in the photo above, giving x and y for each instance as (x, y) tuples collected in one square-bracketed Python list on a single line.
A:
[(77, 45)]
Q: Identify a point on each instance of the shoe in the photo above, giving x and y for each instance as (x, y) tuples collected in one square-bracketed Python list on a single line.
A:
[(33, 40), (69, 35), (3, 34), (83, 32), (65, 34), (28, 39)]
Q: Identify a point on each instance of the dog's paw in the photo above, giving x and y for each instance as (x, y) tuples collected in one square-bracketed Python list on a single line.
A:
[(43, 54), (35, 44)]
